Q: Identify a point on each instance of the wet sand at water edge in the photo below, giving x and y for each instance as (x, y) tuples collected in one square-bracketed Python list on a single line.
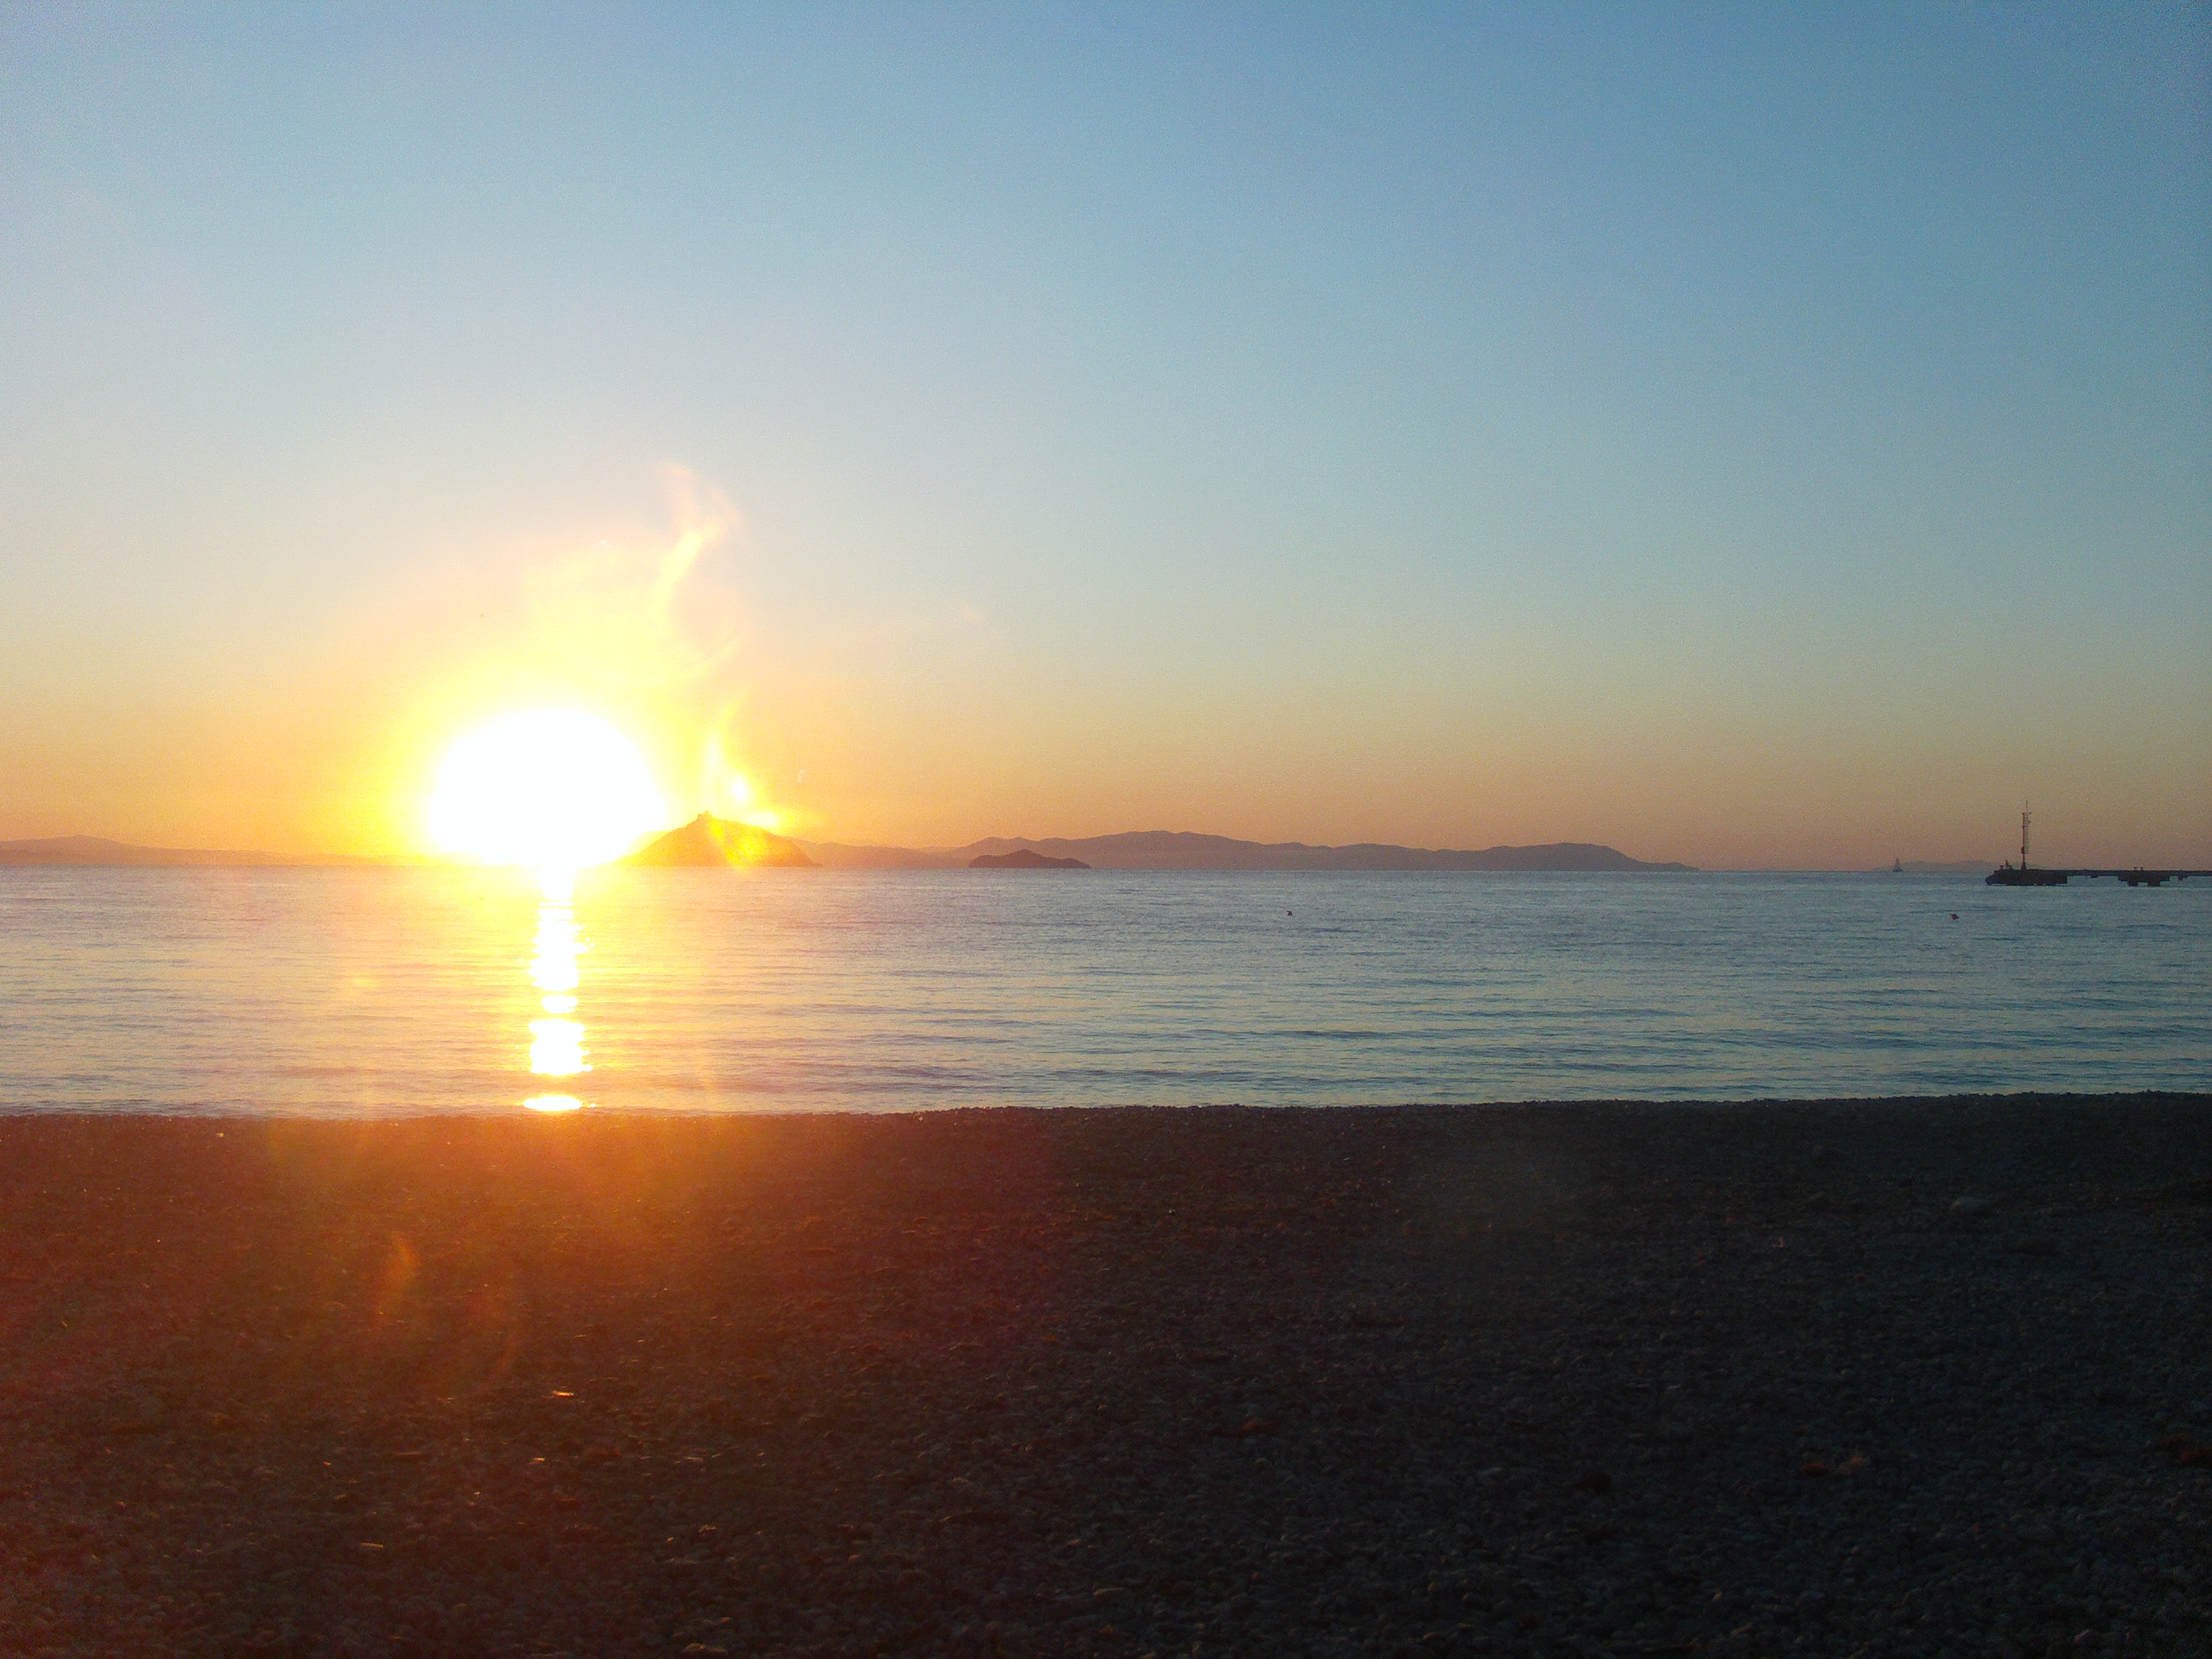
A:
[(1579, 1379)]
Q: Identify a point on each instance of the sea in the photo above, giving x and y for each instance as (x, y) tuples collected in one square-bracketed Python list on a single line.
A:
[(364, 992)]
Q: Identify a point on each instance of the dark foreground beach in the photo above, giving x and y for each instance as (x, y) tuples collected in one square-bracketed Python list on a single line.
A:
[(1558, 1380)]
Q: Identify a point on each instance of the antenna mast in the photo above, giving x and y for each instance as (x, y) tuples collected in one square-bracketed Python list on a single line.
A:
[(2023, 835)]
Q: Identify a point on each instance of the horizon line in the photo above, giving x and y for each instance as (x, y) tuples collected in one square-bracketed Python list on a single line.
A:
[(277, 858)]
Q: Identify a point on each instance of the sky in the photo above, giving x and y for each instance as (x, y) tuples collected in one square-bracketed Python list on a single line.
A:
[(1753, 436)]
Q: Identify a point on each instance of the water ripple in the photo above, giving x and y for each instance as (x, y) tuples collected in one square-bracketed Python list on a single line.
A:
[(362, 992)]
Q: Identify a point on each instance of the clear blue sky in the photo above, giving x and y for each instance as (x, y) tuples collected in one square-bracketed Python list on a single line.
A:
[(1752, 435)]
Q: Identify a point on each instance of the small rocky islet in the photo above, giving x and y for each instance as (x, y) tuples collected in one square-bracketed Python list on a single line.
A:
[(1867, 1377), (1023, 858)]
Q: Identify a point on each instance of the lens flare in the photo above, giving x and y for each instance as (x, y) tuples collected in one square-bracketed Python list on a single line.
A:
[(553, 789)]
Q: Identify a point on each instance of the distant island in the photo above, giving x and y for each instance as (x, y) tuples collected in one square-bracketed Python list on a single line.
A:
[(707, 841), (1166, 849), (98, 851)]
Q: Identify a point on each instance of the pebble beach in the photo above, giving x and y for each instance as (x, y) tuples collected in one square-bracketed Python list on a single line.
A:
[(1925, 1377)]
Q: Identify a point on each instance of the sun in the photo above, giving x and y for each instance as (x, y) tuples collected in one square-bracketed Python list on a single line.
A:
[(553, 789)]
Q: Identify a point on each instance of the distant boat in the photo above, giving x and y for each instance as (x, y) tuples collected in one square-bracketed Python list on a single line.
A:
[(1898, 868)]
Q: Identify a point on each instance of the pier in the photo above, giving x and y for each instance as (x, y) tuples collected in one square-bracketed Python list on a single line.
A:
[(2020, 875), (2006, 875)]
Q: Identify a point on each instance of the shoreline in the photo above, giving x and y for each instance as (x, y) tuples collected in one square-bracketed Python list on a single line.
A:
[(1724, 1377), (2100, 1099)]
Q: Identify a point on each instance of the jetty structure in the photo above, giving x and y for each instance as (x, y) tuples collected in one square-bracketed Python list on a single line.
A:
[(2007, 875)]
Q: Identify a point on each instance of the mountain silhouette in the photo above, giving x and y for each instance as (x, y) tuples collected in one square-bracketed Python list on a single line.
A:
[(1170, 849), (709, 841), (99, 851)]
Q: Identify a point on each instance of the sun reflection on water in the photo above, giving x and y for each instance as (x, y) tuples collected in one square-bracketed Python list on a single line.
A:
[(556, 1042)]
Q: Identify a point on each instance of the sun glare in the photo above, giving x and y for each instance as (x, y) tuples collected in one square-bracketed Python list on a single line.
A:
[(553, 789)]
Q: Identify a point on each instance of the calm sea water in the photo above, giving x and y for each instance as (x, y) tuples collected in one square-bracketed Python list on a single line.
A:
[(340, 993)]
